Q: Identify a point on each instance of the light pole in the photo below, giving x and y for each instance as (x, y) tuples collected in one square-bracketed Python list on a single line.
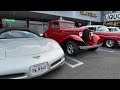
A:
[(89, 23)]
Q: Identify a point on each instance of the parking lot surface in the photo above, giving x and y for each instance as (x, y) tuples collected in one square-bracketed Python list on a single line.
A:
[(104, 63)]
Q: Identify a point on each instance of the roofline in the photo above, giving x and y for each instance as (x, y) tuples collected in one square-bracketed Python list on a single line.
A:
[(63, 21)]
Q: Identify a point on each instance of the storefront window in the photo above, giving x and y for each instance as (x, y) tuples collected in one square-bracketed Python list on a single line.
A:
[(40, 27), (37, 27), (112, 24)]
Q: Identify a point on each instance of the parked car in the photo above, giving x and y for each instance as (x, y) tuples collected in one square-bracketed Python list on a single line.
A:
[(70, 38), (109, 39), (23, 54), (113, 29)]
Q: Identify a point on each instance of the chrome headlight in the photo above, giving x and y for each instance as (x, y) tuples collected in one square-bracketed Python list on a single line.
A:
[(92, 34), (80, 34)]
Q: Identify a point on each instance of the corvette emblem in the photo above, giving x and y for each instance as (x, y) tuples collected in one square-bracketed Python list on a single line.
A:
[(36, 57)]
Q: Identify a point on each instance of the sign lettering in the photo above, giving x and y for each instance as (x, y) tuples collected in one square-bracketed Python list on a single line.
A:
[(10, 20), (112, 17), (88, 13)]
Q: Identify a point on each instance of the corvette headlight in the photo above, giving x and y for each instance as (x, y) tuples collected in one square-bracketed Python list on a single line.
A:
[(80, 34)]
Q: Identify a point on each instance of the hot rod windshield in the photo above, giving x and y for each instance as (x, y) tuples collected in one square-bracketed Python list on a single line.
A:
[(67, 25), (102, 29)]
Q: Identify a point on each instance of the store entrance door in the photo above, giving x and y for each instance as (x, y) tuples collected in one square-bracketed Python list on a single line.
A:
[(37, 27), (40, 27)]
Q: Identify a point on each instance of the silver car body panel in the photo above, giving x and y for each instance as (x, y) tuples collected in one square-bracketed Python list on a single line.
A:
[(18, 55)]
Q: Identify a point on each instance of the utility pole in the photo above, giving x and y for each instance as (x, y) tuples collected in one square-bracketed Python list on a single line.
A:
[(89, 23), (61, 18)]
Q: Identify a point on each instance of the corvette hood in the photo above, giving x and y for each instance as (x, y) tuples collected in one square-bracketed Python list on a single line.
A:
[(23, 47)]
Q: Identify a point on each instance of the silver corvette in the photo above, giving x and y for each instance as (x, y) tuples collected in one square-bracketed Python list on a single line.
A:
[(23, 54)]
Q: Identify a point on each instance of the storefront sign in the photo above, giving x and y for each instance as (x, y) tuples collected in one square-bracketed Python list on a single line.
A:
[(10, 20), (112, 17), (87, 13)]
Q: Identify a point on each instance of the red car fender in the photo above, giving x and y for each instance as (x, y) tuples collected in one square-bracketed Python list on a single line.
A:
[(95, 39), (75, 37), (103, 38)]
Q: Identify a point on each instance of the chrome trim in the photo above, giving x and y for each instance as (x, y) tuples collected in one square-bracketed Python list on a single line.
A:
[(59, 63), (118, 42), (90, 47), (23, 77)]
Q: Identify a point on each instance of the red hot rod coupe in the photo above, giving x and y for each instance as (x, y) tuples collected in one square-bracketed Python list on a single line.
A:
[(70, 38)]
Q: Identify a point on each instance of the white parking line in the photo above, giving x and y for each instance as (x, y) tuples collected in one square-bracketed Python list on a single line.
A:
[(106, 50), (75, 65)]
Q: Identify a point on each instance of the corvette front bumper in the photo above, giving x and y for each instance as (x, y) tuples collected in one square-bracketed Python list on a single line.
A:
[(90, 47)]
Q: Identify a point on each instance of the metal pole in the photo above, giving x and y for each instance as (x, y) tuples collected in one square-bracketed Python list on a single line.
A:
[(61, 18), (89, 23), (27, 21)]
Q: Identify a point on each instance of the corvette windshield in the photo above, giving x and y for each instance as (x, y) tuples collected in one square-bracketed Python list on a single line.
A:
[(67, 25), (103, 29), (17, 34)]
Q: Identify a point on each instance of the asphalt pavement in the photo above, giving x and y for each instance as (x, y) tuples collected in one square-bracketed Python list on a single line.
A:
[(104, 63)]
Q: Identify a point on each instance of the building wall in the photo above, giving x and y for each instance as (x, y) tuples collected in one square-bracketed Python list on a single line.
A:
[(74, 14)]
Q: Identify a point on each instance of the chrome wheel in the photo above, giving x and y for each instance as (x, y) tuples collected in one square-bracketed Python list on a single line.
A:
[(110, 43), (70, 49)]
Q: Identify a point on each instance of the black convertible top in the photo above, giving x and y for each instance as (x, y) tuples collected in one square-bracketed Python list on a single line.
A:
[(21, 29)]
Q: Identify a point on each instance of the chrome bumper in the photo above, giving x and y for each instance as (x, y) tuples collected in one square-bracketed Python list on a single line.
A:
[(90, 47), (119, 43)]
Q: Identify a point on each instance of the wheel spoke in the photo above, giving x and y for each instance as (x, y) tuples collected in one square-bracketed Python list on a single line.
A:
[(109, 43), (70, 49)]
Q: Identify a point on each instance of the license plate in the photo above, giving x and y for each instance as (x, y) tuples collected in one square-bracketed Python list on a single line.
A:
[(39, 68)]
